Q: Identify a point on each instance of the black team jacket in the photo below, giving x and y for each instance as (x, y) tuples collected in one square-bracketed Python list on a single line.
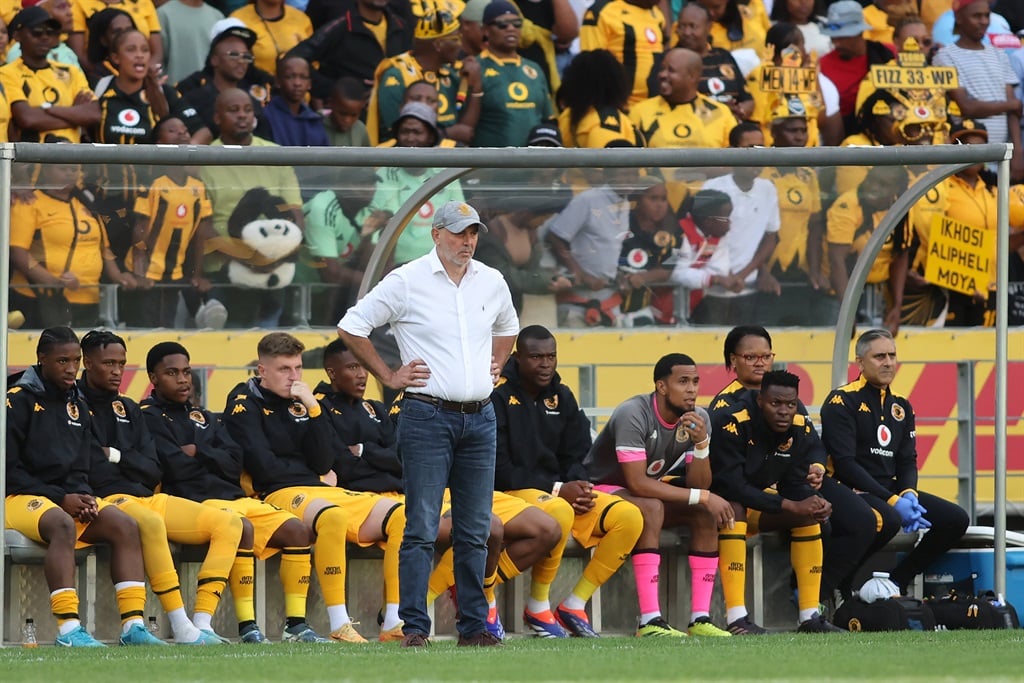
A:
[(216, 469), (283, 443), (364, 422), (48, 438), (870, 437), (540, 441), (748, 457), (117, 421)]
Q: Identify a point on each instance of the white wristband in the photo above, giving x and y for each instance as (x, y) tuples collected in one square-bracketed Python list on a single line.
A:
[(556, 488), (113, 455), (359, 447), (701, 453), (695, 496)]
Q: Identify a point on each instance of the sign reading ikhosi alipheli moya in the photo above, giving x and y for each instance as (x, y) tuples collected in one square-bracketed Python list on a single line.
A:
[(961, 257)]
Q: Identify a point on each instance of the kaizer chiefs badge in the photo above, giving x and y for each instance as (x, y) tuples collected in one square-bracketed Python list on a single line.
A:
[(119, 409), (34, 504), (551, 403), (197, 417), (298, 410), (368, 407), (72, 410), (297, 500), (897, 412)]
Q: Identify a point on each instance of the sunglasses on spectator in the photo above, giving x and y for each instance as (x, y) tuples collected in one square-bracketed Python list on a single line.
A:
[(40, 31), (505, 25), (244, 56)]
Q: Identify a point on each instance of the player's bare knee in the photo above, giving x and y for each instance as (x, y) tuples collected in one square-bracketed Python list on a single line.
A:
[(653, 511), (550, 532), (496, 535), (121, 530), (57, 528), (248, 537)]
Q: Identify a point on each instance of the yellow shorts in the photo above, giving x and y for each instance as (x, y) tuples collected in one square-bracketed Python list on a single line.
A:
[(586, 528), (264, 517), (357, 505), (22, 513), (506, 507)]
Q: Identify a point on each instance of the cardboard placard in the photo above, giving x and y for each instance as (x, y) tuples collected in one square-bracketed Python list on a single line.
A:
[(960, 256), (789, 79), (888, 77)]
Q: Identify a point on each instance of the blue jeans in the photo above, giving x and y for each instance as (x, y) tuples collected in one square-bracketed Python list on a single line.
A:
[(441, 449)]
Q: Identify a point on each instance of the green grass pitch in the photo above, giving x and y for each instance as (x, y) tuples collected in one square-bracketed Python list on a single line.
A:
[(960, 656)]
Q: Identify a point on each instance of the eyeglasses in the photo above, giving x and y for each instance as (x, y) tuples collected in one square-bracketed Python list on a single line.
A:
[(506, 25), (751, 358), (244, 56), (40, 31), (718, 219)]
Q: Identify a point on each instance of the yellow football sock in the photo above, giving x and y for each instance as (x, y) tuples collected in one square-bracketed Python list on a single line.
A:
[(64, 606), (394, 527), (243, 585), (443, 576), (156, 555), (295, 569), (490, 584), (331, 526), (732, 564), (544, 570), (222, 529), (622, 525), (805, 554), (131, 602)]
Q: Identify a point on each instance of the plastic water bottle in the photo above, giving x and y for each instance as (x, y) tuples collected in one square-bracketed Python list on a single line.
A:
[(28, 634), (878, 587), (154, 628)]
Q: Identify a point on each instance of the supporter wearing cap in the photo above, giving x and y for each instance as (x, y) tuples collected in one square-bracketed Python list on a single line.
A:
[(985, 78), (416, 126), (278, 28), (42, 94), (851, 60), (359, 35), (229, 65), (972, 201), (544, 135), (633, 31), (143, 13), (515, 92), (593, 110), (435, 50), (797, 259), (544, 25), (186, 30), (59, 10), (824, 124)]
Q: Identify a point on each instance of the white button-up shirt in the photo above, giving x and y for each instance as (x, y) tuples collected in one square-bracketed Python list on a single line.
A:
[(447, 325)]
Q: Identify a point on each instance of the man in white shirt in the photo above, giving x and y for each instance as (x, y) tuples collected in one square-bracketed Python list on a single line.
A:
[(454, 323), (751, 240)]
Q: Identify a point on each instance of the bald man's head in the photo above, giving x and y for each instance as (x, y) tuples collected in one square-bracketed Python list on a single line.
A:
[(235, 114), (679, 75)]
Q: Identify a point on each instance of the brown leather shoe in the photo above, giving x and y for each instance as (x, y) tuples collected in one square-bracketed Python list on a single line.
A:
[(484, 639), (415, 640)]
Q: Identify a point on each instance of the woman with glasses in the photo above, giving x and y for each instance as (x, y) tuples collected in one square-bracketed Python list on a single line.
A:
[(850, 528)]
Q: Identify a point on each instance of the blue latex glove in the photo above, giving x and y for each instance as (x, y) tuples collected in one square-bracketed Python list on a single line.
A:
[(917, 525), (920, 508), (904, 507)]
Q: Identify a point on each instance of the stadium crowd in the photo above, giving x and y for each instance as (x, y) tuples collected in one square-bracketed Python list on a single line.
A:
[(300, 469), (238, 246)]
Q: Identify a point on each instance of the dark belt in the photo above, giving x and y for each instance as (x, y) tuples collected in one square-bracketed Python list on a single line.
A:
[(453, 406)]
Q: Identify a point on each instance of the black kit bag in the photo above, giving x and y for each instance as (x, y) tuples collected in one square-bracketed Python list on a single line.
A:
[(893, 614), (956, 611)]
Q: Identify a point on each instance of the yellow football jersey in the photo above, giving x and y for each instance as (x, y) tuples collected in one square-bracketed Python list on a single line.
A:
[(636, 37)]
